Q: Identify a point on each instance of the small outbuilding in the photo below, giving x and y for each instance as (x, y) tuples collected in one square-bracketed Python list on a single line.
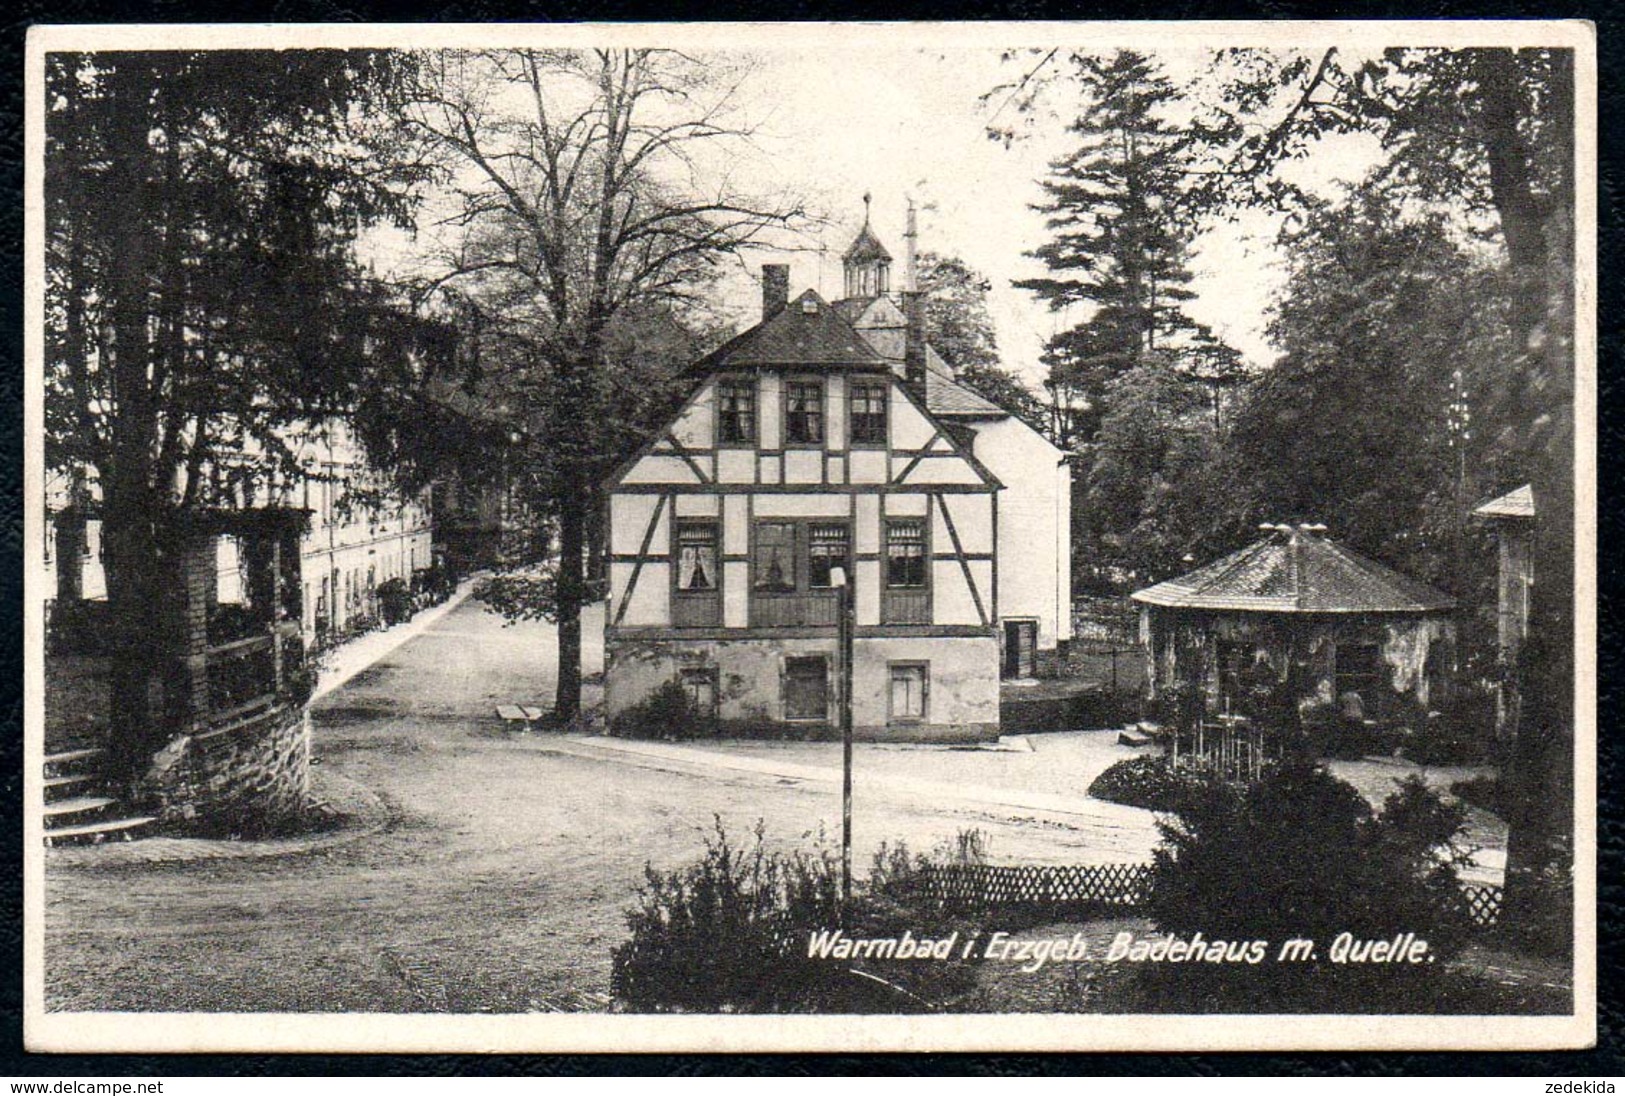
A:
[(1304, 611)]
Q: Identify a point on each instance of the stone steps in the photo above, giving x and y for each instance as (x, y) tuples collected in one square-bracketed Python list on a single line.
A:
[(91, 833), (79, 804), (75, 809), (71, 760)]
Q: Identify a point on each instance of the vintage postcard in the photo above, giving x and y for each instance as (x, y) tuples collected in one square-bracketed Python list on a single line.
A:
[(811, 537)]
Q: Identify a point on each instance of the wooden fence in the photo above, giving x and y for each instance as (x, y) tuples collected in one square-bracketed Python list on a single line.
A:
[(1094, 888)]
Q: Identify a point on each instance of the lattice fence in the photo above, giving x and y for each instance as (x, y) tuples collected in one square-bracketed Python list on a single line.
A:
[(1481, 903), (1110, 887), (988, 886)]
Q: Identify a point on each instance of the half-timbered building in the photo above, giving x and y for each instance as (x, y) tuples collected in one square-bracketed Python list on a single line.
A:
[(809, 448)]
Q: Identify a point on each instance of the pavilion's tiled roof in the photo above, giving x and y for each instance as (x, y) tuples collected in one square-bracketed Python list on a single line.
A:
[(1296, 572)]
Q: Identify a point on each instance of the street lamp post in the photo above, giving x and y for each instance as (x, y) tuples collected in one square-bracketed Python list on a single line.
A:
[(844, 643)]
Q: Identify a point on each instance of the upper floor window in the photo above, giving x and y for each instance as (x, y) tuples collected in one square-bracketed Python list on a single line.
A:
[(906, 598), (775, 570), (868, 413), (736, 411), (793, 571), (697, 597), (826, 550), (697, 557), (905, 553), (804, 413)]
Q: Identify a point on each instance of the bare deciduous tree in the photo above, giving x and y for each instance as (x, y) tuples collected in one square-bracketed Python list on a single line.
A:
[(577, 197)]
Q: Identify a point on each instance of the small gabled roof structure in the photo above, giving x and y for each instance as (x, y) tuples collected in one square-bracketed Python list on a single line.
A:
[(808, 332), (1515, 504), (866, 247), (1295, 570)]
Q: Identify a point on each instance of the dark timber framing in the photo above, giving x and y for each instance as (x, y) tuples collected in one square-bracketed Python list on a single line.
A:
[(959, 552), (643, 554)]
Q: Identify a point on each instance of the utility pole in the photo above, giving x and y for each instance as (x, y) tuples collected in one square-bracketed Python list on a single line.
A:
[(844, 643)]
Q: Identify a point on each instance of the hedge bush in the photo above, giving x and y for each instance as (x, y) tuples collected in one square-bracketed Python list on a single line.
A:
[(1484, 792), (667, 713), (1146, 781), (1300, 853), (730, 933)]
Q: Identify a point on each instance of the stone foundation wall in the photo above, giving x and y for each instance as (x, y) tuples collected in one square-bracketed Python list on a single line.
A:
[(243, 778), (962, 704)]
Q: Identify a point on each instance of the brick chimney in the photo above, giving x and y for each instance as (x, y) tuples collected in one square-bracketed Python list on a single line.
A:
[(775, 288), (914, 341)]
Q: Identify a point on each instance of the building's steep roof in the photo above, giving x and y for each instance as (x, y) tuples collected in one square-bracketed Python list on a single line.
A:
[(946, 396), (866, 247), (806, 332), (1514, 504), (853, 308), (1296, 571)]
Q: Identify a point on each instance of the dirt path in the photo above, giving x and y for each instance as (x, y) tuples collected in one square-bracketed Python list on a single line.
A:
[(501, 882)]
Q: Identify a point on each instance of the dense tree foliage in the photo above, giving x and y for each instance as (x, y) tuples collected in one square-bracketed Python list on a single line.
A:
[(1380, 320), (1473, 167), (202, 299), (959, 326), (1115, 247)]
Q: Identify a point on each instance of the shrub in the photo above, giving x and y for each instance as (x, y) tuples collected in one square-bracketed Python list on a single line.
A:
[(1146, 781), (1455, 737), (394, 600), (1484, 792), (1300, 853), (730, 933), (1328, 732), (667, 713)]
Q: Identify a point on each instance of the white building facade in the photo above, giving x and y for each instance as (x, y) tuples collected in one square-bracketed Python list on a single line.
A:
[(828, 438)]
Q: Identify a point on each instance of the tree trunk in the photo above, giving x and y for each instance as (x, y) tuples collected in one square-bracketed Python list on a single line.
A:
[(1540, 243), (595, 540), (131, 549), (571, 594)]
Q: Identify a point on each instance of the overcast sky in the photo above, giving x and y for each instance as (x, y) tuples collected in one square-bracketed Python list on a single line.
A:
[(898, 123), (836, 122)]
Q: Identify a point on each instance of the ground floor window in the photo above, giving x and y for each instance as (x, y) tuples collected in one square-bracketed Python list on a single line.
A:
[(910, 686), (806, 688), (700, 683)]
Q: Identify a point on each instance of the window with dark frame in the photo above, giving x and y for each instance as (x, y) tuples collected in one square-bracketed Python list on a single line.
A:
[(1359, 670), (775, 569), (697, 557), (868, 416), (804, 413), (910, 686), (806, 688), (905, 553), (827, 547), (736, 407), (700, 683)]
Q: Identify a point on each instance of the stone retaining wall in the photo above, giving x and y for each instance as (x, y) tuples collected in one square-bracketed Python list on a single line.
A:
[(246, 777)]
